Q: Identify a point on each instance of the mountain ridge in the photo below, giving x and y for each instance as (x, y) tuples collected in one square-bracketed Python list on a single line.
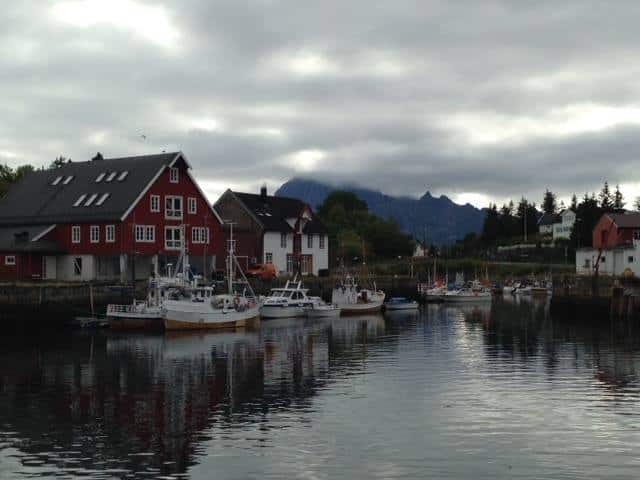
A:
[(438, 219)]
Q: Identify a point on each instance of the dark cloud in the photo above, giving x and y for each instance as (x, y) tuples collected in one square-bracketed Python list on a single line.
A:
[(496, 98)]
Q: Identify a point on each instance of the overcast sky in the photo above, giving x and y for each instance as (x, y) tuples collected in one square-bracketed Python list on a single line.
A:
[(479, 100)]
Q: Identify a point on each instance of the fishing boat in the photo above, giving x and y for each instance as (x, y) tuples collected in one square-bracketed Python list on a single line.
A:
[(203, 308), (475, 292), (400, 303), (352, 299), (319, 309), (288, 301)]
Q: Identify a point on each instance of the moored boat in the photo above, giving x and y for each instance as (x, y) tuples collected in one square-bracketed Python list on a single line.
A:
[(320, 309), (354, 300), (286, 302), (400, 303)]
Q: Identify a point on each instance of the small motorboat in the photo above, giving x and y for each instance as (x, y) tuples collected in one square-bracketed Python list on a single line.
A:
[(400, 303)]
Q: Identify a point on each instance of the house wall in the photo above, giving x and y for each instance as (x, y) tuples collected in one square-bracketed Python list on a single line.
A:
[(28, 266), (606, 234), (562, 230), (612, 261), (66, 271), (272, 245), (320, 255), (545, 229)]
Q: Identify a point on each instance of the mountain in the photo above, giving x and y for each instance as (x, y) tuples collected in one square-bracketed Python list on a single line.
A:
[(438, 219)]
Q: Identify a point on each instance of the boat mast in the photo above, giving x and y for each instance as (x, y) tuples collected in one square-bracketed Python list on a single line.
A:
[(230, 263)]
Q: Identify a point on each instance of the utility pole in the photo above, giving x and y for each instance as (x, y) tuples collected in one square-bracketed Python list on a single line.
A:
[(525, 221)]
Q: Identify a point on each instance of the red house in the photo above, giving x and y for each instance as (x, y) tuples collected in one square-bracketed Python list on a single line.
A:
[(106, 219), (616, 229)]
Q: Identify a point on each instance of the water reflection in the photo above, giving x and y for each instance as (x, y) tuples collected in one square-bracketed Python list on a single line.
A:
[(460, 382)]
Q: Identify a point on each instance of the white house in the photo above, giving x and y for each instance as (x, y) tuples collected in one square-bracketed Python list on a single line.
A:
[(562, 229), (545, 223)]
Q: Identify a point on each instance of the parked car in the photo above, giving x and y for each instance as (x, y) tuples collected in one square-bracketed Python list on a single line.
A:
[(263, 271)]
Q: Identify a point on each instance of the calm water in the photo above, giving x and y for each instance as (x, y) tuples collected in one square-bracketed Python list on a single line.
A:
[(500, 391)]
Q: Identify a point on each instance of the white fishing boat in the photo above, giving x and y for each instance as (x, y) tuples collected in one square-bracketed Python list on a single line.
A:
[(352, 299), (320, 309), (286, 302), (470, 293), (400, 303), (203, 308)]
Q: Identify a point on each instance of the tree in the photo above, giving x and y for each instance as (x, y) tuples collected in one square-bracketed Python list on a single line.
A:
[(636, 204), (58, 162), (98, 156), (606, 200), (549, 203), (491, 228), (618, 200), (574, 203), (588, 212)]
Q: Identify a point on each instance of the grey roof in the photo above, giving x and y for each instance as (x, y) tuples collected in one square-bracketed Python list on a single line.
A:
[(20, 239), (35, 200), (625, 220), (549, 219), (272, 212)]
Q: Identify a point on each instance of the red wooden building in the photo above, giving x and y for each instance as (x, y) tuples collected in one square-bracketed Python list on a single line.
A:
[(107, 219), (616, 230)]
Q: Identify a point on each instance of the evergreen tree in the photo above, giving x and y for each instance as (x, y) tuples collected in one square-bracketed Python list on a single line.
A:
[(58, 162), (574, 203), (636, 204), (606, 200), (618, 200), (549, 203)]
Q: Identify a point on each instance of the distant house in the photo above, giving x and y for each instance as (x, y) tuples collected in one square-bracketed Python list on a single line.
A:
[(109, 219), (420, 250), (562, 229), (546, 222), (278, 230), (616, 241)]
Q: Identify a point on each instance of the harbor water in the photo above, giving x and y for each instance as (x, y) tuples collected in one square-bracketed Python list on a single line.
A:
[(499, 390)]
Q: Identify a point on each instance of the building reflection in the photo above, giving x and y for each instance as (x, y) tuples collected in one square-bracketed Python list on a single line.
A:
[(142, 404)]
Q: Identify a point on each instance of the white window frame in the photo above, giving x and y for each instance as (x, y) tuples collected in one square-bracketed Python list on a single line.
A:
[(193, 205), (94, 234), (10, 260), (174, 175), (268, 257), (310, 240), (200, 235), (145, 233), (173, 244), (110, 233), (76, 234), (173, 216), (155, 204), (321, 242), (283, 240)]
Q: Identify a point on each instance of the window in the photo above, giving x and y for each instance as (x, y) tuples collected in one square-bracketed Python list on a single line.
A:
[(199, 235), (90, 200), (283, 240), (630, 259), (102, 199), (172, 238), (77, 266), (67, 180), (636, 234), (310, 241), (145, 233), (80, 200), (123, 175), (75, 234), (110, 233), (173, 207), (173, 175), (10, 260), (100, 177), (56, 181), (155, 203), (111, 176), (602, 260), (321, 242), (192, 205), (268, 257), (289, 263), (94, 233)]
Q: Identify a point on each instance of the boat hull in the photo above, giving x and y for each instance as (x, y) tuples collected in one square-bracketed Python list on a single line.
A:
[(195, 318), (279, 311), (359, 308), (409, 306), (126, 317), (333, 313), (467, 298)]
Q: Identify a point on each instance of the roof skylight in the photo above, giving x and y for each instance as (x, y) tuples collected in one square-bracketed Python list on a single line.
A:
[(90, 200), (123, 175), (67, 180), (100, 177), (111, 176), (57, 180), (80, 200), (102, 199)]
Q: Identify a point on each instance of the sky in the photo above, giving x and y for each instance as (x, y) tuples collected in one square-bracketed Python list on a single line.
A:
[(478, 100)]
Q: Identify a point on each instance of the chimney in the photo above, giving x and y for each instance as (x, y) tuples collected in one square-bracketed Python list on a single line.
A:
[(263, 193)]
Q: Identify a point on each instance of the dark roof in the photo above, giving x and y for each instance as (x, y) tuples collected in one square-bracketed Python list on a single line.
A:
[(35, 200), (21, 239), (272, 212), (549, 219), (626, 220)]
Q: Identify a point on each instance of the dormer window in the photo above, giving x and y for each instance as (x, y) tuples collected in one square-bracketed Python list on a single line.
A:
[(67, 180), (111, 176), (123, 175), (100, 177), (102, 199), (174, 175), (80, 200), (91, 199), (57, 180)]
